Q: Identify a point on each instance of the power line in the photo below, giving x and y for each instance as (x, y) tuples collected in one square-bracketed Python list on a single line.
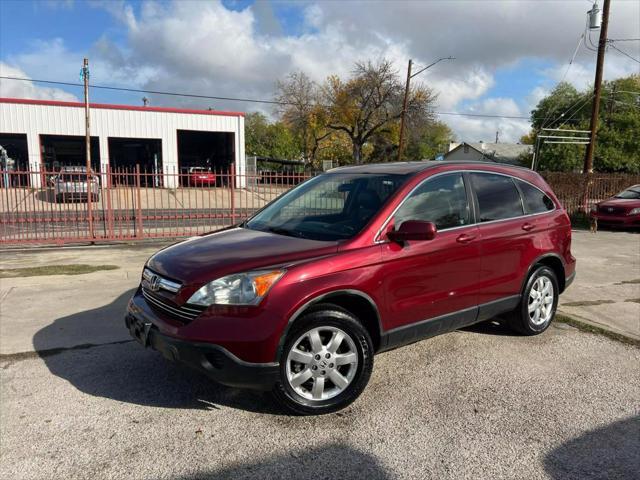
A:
[(233, 99), (624, 53)]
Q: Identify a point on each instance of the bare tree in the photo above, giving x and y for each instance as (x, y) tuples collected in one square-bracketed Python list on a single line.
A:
[(300, 110)]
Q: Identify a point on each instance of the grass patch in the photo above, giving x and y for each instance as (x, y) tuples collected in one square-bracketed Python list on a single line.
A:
[(633, 300), (587, 303), (628, 282), (587, 327), (77, 269)]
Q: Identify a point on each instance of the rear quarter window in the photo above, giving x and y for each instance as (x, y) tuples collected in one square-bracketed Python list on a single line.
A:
[(534, 199)]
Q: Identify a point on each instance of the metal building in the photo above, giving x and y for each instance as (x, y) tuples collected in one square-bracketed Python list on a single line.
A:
[(42, 135)]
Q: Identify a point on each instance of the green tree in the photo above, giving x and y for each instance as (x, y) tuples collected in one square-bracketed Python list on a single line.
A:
[(617, 140), (272, 140)]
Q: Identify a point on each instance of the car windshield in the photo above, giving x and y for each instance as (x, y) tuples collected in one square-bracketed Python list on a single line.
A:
[(632, 193), (329, 207)]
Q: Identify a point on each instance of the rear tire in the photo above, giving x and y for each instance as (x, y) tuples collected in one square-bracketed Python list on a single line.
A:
[(326, 362), (538, 304)]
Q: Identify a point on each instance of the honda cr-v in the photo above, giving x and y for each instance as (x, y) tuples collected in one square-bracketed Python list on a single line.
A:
[(298, 298)]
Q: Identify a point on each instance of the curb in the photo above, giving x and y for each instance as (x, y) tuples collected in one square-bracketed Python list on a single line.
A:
[(590, 327)]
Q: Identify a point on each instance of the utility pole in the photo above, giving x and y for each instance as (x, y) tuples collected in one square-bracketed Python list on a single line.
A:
[(602, 45), (404, 110), (85, 77), (406, 99)]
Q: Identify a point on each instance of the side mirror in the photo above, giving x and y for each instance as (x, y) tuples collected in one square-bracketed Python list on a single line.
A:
[(413, 230)]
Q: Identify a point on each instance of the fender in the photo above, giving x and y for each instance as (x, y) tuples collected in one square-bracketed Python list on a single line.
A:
[(537, 261), (318, 299)]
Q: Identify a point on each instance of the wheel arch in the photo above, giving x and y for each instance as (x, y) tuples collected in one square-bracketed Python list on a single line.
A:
[(356, 302), (554, 262)]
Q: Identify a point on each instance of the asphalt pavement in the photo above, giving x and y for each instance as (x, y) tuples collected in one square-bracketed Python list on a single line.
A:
[(80, 399)]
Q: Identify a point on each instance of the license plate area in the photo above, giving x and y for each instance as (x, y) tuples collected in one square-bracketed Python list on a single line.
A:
[(140, 331)]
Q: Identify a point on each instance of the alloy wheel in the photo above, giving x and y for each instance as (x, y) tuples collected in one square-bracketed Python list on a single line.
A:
[(322, 363), (541, 298)]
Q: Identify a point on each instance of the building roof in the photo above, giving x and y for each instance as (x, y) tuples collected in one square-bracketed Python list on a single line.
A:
[(109, 106), (498, 152)]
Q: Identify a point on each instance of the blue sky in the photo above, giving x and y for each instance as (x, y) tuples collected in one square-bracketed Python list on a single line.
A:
[(508, 53)]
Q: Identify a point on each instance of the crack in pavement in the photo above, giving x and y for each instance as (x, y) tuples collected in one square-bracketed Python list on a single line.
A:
[(14, 357)]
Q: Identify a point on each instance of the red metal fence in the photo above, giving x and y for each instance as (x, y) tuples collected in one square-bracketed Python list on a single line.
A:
[(129, 204), (133, 204), (572, 189)]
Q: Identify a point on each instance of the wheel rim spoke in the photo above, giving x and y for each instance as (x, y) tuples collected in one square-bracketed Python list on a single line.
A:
[(301, 377), (300, 356), (338, 380), (335, 342), (318, 388), (315, 340), (346, 358)]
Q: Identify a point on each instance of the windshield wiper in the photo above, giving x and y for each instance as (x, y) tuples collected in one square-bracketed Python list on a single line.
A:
[(284, 231)]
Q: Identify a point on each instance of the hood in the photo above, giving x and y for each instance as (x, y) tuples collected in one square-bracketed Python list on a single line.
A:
[(201, 259), (627, 203)]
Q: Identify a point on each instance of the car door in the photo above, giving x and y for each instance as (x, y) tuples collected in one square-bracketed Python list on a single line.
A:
[(506, 239), (431, 285)]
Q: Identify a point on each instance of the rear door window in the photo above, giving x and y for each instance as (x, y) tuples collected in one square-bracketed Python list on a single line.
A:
[(534, 199), (498, 197)]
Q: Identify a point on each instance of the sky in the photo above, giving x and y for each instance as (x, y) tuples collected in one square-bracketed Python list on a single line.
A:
[(508, 53)]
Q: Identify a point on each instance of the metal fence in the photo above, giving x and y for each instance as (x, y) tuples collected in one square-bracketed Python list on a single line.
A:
[(577, 191), (129, 204), (132, 204)]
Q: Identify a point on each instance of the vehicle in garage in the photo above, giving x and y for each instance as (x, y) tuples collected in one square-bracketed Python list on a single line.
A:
[(621, 210), (201, 177), (70, 183), (356, 261)]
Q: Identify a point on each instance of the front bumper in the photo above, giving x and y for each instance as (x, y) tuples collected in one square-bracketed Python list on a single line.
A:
[(617, 220), (213, 360)]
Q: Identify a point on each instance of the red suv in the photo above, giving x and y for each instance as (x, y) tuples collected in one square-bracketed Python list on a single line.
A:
[(356, 261)]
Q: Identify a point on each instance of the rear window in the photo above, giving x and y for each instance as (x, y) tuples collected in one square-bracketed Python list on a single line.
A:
[(534, 199), (498, 197)]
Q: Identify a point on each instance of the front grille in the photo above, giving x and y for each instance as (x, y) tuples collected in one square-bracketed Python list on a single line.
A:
[(612, 210), (183, 313)]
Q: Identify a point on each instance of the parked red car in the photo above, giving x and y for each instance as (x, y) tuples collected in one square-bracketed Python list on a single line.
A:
[(201, 177), (621, 210), (353, 262)]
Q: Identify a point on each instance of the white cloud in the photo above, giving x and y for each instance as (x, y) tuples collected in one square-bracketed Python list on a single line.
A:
[(18, 89), (204, 48)]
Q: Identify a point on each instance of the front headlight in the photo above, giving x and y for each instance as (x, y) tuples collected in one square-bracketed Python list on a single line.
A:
[(247, 288), (635, 211), (594, 208)]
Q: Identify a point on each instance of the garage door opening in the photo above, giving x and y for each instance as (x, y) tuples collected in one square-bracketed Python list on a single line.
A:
[(213, 151), (14, 157), (126, 153), (68, 151)]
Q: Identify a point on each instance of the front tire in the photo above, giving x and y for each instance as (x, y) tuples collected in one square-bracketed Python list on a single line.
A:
[(326, 362), (537, 307)]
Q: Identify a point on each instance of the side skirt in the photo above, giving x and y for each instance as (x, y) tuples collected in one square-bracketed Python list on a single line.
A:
[(431, 327)]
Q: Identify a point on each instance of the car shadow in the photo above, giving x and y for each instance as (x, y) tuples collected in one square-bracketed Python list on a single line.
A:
[(491, 327), (106, 362), (608, 452), (331, 461)]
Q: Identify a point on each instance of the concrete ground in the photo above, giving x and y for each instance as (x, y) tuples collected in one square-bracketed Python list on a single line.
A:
[(80, 399), (606, 292)]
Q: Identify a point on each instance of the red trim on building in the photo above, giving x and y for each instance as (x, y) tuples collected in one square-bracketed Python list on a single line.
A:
[(107, 106)]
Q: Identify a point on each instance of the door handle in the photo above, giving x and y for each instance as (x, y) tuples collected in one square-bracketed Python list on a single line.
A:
[(527, 227), (464, 238)]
